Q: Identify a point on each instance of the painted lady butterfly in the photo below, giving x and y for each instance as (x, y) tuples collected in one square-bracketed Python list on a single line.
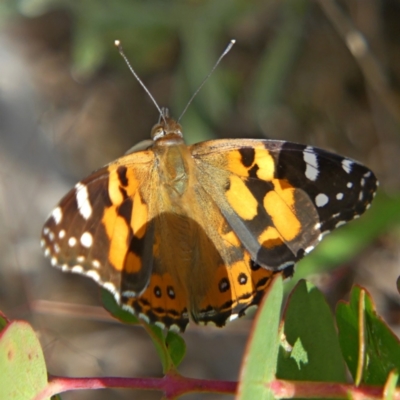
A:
[(173, 230)]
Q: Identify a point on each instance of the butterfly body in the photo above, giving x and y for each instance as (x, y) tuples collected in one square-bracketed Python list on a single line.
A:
[(175, 231)]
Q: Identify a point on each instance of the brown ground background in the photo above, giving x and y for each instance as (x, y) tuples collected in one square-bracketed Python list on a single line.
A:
[(325, 73)]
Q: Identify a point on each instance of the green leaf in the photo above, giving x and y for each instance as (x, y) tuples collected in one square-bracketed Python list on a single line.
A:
[(347, 322), (3, 321), (390, 386), (22, 367), (259, 362), (299, 353), (382, 347), (158, 339), (113, 308), (310, 348), (171, 349), (176, 347)]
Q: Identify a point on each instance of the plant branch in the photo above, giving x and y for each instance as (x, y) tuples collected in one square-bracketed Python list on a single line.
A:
[(328, 390), (173, 385)]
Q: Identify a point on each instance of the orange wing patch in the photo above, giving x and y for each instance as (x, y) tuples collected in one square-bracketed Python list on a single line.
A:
[(280, 205), (266, 213), (232, 291), (163, 303)]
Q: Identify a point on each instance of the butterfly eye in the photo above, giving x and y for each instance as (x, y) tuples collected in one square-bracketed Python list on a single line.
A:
[(157, 132)]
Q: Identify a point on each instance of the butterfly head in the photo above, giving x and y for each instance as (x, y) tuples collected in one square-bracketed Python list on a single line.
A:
[(167, 129)]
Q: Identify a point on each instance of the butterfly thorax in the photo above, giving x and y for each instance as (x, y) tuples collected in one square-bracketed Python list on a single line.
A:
[(174, 164)]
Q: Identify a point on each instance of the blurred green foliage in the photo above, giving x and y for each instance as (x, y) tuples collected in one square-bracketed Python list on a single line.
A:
[(149, 30)]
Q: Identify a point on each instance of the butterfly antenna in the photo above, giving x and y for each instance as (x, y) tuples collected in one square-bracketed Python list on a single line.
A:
[(121, 51), (225, 52)]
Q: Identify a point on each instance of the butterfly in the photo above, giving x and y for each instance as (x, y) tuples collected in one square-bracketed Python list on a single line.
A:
[(177, 232)]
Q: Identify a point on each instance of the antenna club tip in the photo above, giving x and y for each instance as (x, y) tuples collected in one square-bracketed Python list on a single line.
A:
[(233, 41), (117, 43)]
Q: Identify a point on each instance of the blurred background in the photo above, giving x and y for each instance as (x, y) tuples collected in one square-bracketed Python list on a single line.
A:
[(325, 73)]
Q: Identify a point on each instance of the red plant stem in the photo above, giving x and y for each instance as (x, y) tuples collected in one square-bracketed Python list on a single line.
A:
[(296, 389), (172, 385), (175, 385)]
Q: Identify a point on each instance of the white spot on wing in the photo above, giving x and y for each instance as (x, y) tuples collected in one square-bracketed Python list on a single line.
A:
[(174, 328), (339, 196), (308, 249), (46, 230), (57, 215), (347, 164), (77, 269), (82, 199), (93, 274), (42, 243), (71, 242), (321, 200), (129, 293), (96, 263), (233, 317), (86, 239), (159, 324), (310, 158), (322, 234), (61, 234), (285, 265), (340, 223), (111, 288), (349, 185), (144, 317), (53, 261)]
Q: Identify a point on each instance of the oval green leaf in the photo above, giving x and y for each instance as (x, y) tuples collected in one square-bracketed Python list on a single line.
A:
[(310, 349), (259, 362), (22, 367)]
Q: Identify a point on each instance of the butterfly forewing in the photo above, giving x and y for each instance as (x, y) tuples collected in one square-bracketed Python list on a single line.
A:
[(281, 197), (100, 223)]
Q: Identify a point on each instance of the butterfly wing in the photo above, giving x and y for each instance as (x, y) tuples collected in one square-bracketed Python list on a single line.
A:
[(102, 228), (111, 227), (223, 281), (280, 198)]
